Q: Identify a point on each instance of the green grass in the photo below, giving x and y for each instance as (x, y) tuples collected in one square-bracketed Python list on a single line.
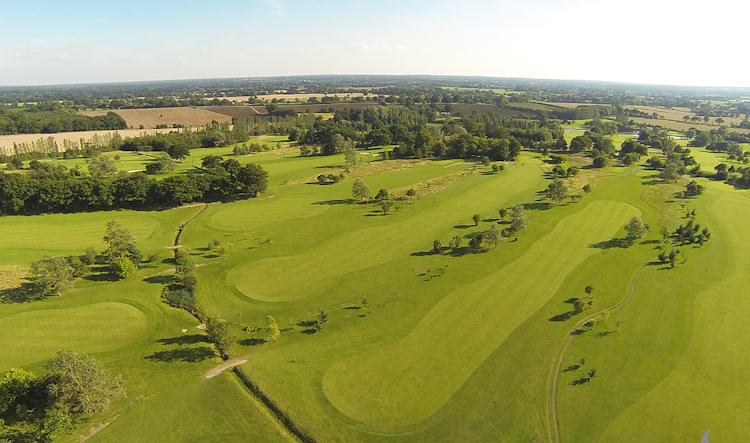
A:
[(449, 347)]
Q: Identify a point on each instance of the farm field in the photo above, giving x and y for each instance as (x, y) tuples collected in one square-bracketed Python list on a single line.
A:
[(149, 118), (413, 340)]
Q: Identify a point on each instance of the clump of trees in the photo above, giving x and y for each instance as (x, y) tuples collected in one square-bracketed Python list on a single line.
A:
[(44, 408), (635, 229), (57, 189)]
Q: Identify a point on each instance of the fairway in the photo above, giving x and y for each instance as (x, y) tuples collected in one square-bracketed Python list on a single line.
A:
[(410, 380)]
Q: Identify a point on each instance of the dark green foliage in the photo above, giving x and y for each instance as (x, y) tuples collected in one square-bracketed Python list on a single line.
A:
[(693, 189), (59, 190), (35, 119), (51, 275)]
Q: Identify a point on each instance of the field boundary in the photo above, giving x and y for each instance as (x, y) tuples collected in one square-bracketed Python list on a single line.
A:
[(554, 374)]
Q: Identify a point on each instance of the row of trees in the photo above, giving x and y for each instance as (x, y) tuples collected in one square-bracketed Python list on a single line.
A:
[(57, 189), (33, 121)]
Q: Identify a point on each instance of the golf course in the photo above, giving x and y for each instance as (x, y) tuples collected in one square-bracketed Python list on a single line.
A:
[(381, 336)]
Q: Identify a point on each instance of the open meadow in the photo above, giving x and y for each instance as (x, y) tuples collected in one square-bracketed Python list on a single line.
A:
[(383, 338)]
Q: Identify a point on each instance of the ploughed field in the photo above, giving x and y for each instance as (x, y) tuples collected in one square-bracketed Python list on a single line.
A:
[(415, 345)]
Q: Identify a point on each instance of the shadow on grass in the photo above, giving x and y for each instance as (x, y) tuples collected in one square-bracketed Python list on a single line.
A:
[(537, 206), (343, 201), (102, 276), (161, 279), (252, 341), (611, 243), (184, 339), (190, 355), (21, 294)]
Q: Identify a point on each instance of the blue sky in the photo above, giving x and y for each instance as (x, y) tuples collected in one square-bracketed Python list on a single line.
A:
[(685, 42)]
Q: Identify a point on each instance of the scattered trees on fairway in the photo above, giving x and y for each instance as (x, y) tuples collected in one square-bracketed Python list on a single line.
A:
[(437, 247), (475, 218), (635, 229), (273, 329), (51, 275), (693, 189), (557, 190), (102, 166), (360, 190), (518, 221), (120, 244)]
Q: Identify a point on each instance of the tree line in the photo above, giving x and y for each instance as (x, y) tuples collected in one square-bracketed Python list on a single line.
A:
[(37, 120)]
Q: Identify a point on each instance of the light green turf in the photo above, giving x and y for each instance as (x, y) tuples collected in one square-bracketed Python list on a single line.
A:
[(450, 348), (409, 380), (25, 336)]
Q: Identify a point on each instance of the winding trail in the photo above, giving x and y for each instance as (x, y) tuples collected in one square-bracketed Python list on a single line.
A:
[(554, 374)]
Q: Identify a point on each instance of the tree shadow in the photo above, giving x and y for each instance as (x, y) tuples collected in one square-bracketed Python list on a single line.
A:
[(21, 294), (490, 220), (566, 315), (309, 331), (252, 341), (104, 276), (611, 243), (580, 381), (343, 201), (190, 355), (161, 279), (538, 206), (184, 339), (572, 368), (463, 226)]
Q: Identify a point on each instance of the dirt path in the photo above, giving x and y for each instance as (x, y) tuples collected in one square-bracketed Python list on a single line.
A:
[(637, 168), (554, 374), (97, 429), (229, 364)]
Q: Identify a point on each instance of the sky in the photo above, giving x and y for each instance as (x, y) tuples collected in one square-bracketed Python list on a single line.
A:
[(676, 42)]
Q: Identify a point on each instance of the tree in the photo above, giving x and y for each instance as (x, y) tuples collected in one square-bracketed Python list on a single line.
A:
[(455, 242), (217, 330), (14, 386), (693, 188), (587, 188), (475, 218), (557, 190), (120, 243), (635, 229), (178, 152), (502, 213), (382, 195), (475, 242), (121, 267), (672, 170), (101, 166), (360, 190), (518, 219), (51, 275), (386, 206), (437, 247), (273, 329), (493, 236), (351, 156), (411, 192), (183, 264), (15, 163), (581, 143), (600, 161), (80, 384)]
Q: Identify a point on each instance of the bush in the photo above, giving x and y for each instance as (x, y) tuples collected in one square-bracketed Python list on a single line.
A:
[(600, 161), (180, 298), (122, 267)]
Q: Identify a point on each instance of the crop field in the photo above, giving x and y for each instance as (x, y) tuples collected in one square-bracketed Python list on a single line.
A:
[(148, 118), (415, 345)]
